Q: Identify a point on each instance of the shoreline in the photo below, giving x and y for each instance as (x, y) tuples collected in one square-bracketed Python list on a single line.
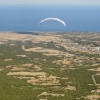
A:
[(25, 32)]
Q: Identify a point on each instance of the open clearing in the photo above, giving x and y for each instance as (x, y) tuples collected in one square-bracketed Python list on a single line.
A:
[(27, 73), (48, 52)]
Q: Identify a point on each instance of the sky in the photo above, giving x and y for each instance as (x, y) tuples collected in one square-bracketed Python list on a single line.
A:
[(55, 2)]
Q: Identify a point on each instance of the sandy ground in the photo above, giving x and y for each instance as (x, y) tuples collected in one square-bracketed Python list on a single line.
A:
[(70, 88), (52, 94), (12, 36), (17, 69), (8, 59), (94, 69), (21, 56), (49, 38), (94, 97), (26, 65), (27, 73), (40, 49), (43, 99), (48, 52), (38, 68), (24, 37), (1, 69)]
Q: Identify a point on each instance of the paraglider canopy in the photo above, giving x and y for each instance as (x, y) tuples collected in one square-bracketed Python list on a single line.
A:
[(57, 19)]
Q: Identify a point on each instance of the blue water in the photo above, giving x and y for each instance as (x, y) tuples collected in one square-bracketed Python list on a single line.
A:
[(27, 18)]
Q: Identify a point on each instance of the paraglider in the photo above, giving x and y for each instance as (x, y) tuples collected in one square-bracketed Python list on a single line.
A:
[(57, 19)]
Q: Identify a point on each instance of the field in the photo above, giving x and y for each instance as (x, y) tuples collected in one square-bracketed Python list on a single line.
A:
[(49, 66)]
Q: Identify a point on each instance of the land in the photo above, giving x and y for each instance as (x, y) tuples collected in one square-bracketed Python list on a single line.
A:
[(49, 66)]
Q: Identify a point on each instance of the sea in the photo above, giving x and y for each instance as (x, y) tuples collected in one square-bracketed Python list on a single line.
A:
[(26, 18)]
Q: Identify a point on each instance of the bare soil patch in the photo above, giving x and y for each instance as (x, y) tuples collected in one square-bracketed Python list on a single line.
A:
[(17, 69), (70, 88), (26, 65), (94, 97), (94, 69), (27, 73), (37, 67), (1, 69), (52, 94), (8, 59)]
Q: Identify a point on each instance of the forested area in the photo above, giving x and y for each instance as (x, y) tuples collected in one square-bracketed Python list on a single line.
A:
[(18, 89)]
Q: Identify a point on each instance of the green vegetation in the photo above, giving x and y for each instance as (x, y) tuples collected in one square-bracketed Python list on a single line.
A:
[(97, 77), (18, 89)]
